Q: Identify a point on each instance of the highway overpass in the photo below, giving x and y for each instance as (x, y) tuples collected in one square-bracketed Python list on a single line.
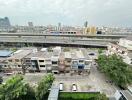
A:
[(55, 39)]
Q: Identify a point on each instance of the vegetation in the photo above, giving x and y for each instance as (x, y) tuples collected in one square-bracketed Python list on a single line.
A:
[(82, 96), (114, 67), (16, 89), (100, 51), (43, 86)]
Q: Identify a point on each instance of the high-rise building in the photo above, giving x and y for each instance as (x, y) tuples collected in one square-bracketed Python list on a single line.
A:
[(4, 23), (86, 24), (30, 24), (59, 26)]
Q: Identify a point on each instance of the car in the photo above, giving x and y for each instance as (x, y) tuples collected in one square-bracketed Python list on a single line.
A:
[(61, 86), (74, 87), (92, 54)]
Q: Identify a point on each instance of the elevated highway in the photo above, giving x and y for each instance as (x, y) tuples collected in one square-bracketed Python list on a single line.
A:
[(57, 39)]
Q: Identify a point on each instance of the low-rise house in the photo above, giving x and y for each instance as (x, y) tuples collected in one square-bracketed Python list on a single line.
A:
[(55, 63), (62, 62), (125, 53), (68, 58), (16, 61), (4, 54), (39, 61), (80, 61)]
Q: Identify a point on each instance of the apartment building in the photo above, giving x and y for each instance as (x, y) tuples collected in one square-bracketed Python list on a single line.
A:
[(61, 62), (39, 61), (68, 59), (80, 62), (43, 61), (16, 61)]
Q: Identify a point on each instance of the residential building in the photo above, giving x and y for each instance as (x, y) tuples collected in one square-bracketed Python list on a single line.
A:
[(62, 62), (15, 62), (80, 62), (68, 59), (123, 48), (39, 61)]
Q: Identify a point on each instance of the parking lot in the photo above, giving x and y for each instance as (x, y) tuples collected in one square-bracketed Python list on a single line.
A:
[(93, 82)]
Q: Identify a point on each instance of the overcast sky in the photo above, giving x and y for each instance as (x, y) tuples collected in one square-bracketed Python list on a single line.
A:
[(68, 12)]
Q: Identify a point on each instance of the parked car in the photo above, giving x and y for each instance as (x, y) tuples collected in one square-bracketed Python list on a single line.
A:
[(61, 86), (74, 87), (92, 54)]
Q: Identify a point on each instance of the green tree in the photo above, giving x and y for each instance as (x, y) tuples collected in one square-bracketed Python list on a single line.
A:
[(100, 51), (114, 67), (43, 86), (14, 89)]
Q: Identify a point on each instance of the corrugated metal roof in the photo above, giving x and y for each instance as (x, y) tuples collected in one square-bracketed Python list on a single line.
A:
[(5, 53), (54, 93)]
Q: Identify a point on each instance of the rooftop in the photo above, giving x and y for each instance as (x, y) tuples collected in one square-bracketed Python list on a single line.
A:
[(80, 54), (67, 54), (129, 38), (40, 54), (127, 94), (20, 54), (5, 53)]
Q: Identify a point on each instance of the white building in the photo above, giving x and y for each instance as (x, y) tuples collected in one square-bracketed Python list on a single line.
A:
[(123, 48)]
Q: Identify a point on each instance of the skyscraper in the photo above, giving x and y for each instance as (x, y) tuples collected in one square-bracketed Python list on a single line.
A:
[(30, 24), (59, 26), (5, 23), (86, 24)]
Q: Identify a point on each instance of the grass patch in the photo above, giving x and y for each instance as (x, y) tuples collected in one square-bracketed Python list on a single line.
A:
[(77, 96)]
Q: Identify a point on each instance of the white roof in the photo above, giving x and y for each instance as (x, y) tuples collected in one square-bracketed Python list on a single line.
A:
[(80, 54), (43, 49), (67, 55)]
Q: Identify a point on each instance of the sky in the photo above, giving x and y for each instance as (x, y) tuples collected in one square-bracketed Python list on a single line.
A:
[(68, 12)]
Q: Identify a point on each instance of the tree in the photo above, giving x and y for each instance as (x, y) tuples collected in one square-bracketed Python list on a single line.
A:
[(43, 86), (14, 89), (114, 67), (100, 51)]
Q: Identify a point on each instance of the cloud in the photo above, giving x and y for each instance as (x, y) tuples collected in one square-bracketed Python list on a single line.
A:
[(72, 12)]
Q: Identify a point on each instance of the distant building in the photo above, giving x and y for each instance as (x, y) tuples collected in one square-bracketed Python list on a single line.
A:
[(30, 24), (90, 30), (5, 24), (59, 26), (86, 24)]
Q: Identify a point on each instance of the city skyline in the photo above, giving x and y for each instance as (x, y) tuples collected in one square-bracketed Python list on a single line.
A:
[(75, 12)]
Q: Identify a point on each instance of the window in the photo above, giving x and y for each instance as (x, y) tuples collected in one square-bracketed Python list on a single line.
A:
[(54, 62), (69, 61), (17, 60), (5, 66), (42, 65), (27, 60), (19, 65), (123, 52), (74, 62), (86, 63), (80, 61), (10, 60), (41, 60)]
